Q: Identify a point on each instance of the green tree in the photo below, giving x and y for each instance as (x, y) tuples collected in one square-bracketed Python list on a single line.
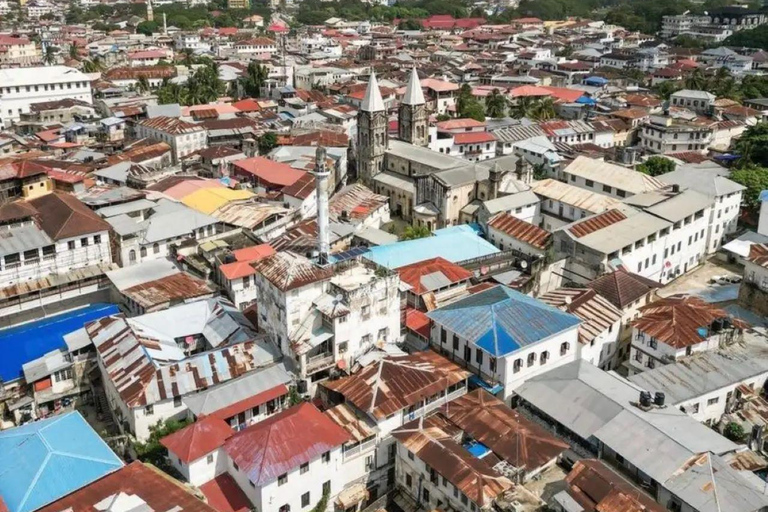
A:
[(467, 106), (409, 24), (755, 179), (696, 80), (656, 166), (254, 79), (49, 56), (142, 85), (414, 232), (495, 104), (666, 88), (753, 38), (322, 504), (734, 432), (442, 117), (752, 146), (151, 450), (73, 53), (94, 65), (543, 110), (267, 142), (147, 28)]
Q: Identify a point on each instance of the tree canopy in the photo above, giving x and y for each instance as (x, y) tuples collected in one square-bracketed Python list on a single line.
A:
[(656, 166), (752, 38)]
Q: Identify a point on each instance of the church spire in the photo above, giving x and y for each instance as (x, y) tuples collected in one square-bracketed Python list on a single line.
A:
[(413, 93), (372, 101)]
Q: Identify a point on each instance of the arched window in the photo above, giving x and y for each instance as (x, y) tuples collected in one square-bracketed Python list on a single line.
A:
[(143, 252), (531, 359), (132, 256), (156, 248), (544, 357), (564, 346), (517, 365)]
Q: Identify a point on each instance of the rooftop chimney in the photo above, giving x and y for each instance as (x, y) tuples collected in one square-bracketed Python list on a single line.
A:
[(321, 174)]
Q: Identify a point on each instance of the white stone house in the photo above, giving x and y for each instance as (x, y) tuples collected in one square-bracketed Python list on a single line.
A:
[(183, 137)]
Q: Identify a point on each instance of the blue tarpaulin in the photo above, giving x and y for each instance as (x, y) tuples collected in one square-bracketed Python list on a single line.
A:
[(27, 342), (477, 382), (477, 449), (586, 100)]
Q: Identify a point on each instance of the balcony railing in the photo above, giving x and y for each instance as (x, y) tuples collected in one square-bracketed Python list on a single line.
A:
[(355, 451), (319, 362)]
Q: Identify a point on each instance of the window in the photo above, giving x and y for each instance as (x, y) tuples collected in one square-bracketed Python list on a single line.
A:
[(143, 252), (304, 468), (589, 183), (531, 359), (97, 239), (71, 245), (31, 254), (653, 343), (479, 357), (408, 480), (177, 401), (149, 410), (343, 347), (713, 401), (455, 342), (425, 494), (327, 487), (410, 455), (305, 500), (695, 408), (282, 479), (517, 365), (564, 348), (234, 464), (209, 459), (606, 188), (155, 248), (84, 242), (326, 457), (131, 255), (443, 336), (544, 358)]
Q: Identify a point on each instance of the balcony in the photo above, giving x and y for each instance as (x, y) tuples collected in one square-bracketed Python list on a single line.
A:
[(358, 449), (319, 362)]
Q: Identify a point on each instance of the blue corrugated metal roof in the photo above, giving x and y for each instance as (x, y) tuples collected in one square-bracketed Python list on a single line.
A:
[(48, 459), (501, 320), (27, 342), (455, 244)]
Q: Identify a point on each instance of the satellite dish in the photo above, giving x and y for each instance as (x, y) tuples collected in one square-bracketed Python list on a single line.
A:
[(523, 264)]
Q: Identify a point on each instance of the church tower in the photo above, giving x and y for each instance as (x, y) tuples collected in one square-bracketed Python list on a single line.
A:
[(372, 133), (412, 117)]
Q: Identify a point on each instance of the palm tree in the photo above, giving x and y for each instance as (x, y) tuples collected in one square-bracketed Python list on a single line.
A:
[(142, 85), (696, 80), (94, 65), (187, 59), (73, 53), (49, 57), (522, 107), (543, 110), (254, 79), (495, 104)]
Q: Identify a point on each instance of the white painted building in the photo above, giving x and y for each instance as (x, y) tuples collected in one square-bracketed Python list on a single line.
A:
[(21, 87), (608, 179), (48, 236), (524, 337), (665, 135), (660, 335), (183, 137)]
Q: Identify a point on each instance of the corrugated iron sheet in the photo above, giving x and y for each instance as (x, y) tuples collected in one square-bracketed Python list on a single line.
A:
[(596, 223), (596, 312), (345, 417), (521, 230), (287, 270)]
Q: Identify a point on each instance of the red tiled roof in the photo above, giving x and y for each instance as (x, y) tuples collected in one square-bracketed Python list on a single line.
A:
[(622, 288), (596, 223), (249, 403), (283, 442), (225, 495), (198, 439), (412, 274), (521, 230), (562, 93), (473, 138)]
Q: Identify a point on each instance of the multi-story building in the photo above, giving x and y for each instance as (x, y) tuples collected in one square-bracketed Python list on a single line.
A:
[(563, 203), (18, 51), (678, 326), (258, 45), (183, 137), (326, 316), (146, 379), (667, 134), (606, 178), (21, 87), (658, 235), (50, 235), (677, 25), (712, 180), (486, 333), (700, 102), (238, 276)]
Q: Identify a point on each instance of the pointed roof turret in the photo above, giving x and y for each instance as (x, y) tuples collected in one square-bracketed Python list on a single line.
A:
[(372, 101), (413, 93)]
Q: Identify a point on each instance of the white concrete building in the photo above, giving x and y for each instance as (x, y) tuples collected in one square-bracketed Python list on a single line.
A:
[(563, 203), (608, 179), (323, 317), (698, 101), (500, 347), (238, 277), (21, 87), (50, 236), (183, 137), (675, 327), (665, 134)]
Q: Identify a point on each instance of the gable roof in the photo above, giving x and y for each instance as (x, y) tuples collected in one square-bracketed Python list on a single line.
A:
[(521, 230), (198, 439), (270, 448), (395, 383), (622, 288), (51, 458), (596, 312), (64, 216), (501, 320), (432, 274)]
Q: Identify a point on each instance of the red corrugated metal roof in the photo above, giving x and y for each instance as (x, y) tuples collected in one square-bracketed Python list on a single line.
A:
[(198, 439), (268, 171), (596, 223), (249, 403), (253, 253), (417, 321), (236, 269), (225, 495), (284, 442), (473, 138), (521, 230), (412, 274)]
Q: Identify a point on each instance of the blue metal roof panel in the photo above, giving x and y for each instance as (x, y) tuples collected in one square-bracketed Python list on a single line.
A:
[(27, 342), (46, 460), (501, 320)]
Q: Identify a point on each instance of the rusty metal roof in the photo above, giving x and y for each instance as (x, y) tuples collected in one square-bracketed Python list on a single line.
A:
[(598, 222), (345, 417), (279, 444), (596, 312), (758, 254), (287, 270), (429, 275), (680, 321), (622, 288), (172, 125), (433, 440), (599, 489), (171, 289), (357, 200), (147, 366), (396, 383), (512, 437), (521, 230)]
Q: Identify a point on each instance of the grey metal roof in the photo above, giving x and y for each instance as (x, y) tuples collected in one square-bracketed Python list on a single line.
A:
[(614, 175), (395, 180), (214, 399), (77, 340), (510, 202), (117, 172), (129, 207), (637, 226), (702, 373), (18, 239), (134, 275), (44, 366), (669, 206), (707, 178), (424, 156)]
